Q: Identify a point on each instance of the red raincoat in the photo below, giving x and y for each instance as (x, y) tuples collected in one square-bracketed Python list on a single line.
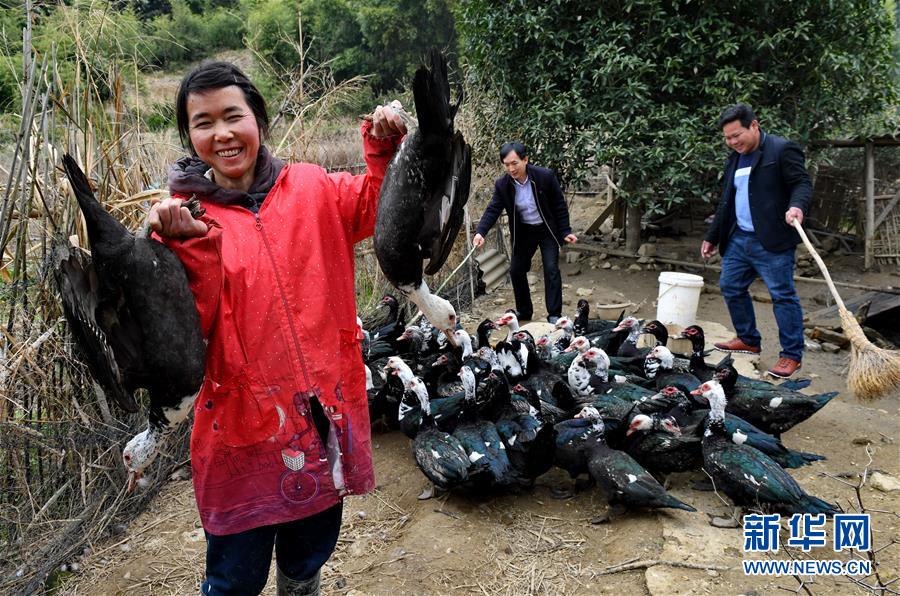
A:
[(275, 292)]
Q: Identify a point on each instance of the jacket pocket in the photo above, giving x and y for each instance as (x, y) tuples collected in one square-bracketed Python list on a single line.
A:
[(353, 376), (243, 410)]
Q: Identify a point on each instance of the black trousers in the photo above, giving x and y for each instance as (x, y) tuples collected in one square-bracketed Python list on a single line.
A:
[(238, 564), (527, 240)]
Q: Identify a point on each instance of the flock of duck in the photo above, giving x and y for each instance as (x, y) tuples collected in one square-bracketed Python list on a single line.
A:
[(488, 416), (481, 415)]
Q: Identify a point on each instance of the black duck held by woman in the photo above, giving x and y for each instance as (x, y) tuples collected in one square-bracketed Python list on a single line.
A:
[(425, 188), (133, 316)]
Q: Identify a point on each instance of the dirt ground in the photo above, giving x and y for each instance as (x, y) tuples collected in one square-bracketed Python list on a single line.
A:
[(532, 543)]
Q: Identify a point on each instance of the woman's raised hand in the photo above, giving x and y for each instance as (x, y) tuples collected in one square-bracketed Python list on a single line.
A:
[(387, 120), (170, 218)]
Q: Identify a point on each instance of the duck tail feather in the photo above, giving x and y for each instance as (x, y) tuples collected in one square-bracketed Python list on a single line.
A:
[(674, 503), (798, 459), (815, 505), (431, 91), (100, 223), (824, 398), (457, 195), (796, 384)]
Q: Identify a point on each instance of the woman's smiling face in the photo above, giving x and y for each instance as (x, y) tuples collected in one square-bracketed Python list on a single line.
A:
[(225, 135)]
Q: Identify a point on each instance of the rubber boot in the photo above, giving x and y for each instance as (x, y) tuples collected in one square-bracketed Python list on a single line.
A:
[(294, 587)]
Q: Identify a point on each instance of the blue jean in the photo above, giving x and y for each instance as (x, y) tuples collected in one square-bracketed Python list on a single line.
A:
[(744, 260), (528, 239), (238, 564)]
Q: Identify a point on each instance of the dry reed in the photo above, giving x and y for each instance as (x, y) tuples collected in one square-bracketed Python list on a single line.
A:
[(60, 439)]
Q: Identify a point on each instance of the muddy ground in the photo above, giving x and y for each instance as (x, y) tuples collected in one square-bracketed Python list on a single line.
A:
[(532, 543)]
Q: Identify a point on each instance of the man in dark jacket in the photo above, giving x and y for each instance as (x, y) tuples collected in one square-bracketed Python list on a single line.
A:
[(767, 187), (538, 217)]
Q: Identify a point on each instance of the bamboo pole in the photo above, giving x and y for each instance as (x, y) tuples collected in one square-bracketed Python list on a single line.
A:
[(467, 222)]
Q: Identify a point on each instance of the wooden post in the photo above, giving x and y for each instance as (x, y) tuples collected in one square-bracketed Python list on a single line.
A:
[(870, 205)]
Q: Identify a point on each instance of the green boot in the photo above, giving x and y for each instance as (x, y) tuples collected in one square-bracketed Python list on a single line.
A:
[(295, 587)]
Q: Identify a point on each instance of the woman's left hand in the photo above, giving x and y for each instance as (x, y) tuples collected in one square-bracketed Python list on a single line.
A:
[(386, 121)]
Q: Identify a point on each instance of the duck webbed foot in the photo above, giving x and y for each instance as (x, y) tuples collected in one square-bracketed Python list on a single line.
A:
[(430, 492), (663, 479), (193, 205), (732, 521), (613, 510)]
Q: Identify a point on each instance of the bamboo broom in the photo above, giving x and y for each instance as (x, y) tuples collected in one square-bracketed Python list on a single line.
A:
[(873, 371)]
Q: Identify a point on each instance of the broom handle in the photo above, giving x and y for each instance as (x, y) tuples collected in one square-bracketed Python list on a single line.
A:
[(820, 263)]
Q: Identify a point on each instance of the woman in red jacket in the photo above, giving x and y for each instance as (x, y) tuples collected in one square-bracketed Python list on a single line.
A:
[(281, 430)]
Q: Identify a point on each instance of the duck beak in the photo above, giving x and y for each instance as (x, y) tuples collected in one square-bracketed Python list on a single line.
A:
[(696, 392), (629, 432), (450, 337), (133, 478)]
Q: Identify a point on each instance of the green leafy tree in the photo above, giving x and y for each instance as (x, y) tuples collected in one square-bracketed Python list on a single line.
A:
[(333, 34), (639, 83), (147, 9), (183, 35), (398, 33), (11, 22), (150, 8), (385, 40), (272, 24), (89, 32)]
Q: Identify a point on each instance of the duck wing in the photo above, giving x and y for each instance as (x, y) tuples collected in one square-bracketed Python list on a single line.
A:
[(776, 412), (660, 451), (145, 307), (751, 478), (448, 164), (100, 331), (626, 481), (426, 185), (443, 222), (441, 457)]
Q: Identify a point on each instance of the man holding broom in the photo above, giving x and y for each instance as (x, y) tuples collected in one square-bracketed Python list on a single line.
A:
[(766, 189)]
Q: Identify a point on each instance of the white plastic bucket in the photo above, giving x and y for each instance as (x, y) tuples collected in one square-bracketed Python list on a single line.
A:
[(679, 295)]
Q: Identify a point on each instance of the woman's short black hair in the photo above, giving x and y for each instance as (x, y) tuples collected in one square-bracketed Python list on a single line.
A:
[(739, 111), (215, 75), (516, 146)]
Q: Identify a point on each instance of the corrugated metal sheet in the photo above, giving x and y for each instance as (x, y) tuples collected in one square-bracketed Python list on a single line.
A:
[(493, 265)]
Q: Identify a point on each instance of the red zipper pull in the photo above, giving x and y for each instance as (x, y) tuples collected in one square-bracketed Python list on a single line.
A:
[(258, 221)]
